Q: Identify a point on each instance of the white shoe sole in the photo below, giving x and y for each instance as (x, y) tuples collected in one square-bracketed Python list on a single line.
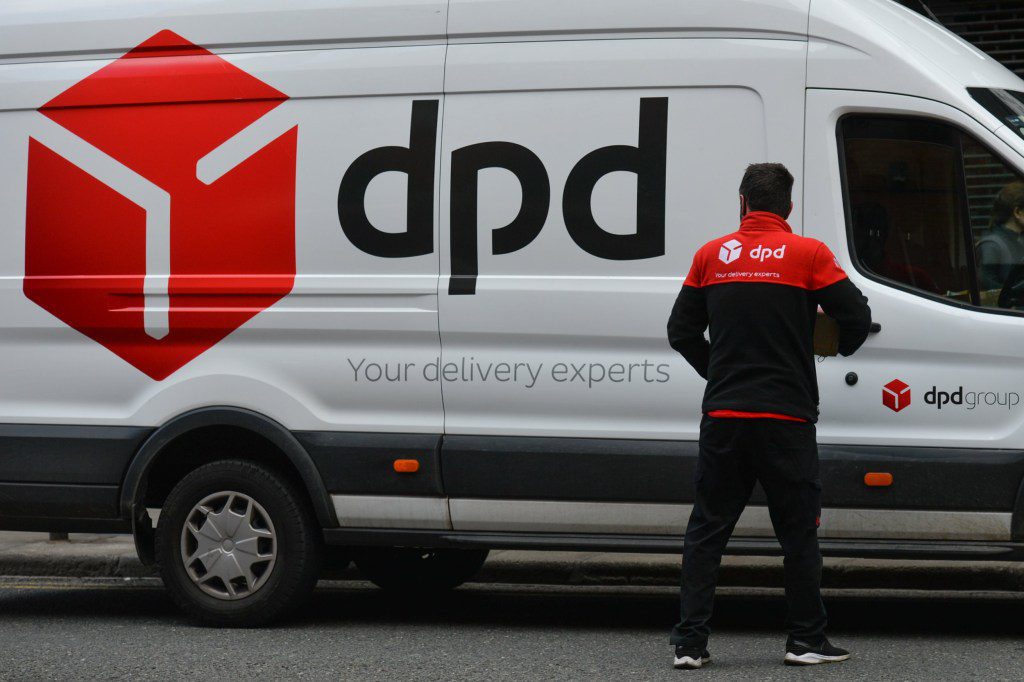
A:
[(813, 659), (687, 663)]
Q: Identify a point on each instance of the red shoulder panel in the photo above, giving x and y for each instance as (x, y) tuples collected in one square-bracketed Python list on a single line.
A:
[(825, 269), (767, 257)]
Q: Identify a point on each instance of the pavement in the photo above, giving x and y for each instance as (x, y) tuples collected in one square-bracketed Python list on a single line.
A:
[(128, 629), (86, 608), (113, 556)]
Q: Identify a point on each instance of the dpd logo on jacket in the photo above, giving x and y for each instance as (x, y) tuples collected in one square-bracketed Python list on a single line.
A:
[(730, 251), (124, 241)]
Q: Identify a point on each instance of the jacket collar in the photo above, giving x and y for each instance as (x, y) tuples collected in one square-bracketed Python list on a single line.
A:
[(763, 220)]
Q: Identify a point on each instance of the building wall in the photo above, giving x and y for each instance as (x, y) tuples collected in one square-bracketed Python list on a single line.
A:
[(995, 26)]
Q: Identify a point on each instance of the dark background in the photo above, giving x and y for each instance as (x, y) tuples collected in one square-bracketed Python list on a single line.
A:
[(996, 26)]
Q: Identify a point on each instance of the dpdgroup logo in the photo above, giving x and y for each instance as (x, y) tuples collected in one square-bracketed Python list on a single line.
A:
[(126, 241), (896, 396)]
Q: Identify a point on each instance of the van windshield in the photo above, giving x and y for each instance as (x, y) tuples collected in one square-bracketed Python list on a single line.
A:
[(1006, 105)]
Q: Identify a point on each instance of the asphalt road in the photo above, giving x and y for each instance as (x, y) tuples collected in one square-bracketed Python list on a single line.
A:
[(118, 629)]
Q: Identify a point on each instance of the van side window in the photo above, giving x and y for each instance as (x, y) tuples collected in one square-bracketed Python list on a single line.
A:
[(933, 210)]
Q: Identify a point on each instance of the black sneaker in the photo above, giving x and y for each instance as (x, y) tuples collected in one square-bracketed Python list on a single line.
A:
[(802, 653), (690, 659)]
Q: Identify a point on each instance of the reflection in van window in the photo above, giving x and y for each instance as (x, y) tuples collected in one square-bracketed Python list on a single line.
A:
[(905, 205), (996, 198), (934, 210)]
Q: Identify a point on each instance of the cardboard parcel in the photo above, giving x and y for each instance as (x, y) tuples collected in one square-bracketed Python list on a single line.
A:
[(826, 336)]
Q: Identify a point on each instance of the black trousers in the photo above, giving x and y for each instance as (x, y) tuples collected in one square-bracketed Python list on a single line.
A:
[(734, 453)]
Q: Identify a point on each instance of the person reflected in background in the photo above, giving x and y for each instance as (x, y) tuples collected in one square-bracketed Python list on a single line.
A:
[(1002, 247)]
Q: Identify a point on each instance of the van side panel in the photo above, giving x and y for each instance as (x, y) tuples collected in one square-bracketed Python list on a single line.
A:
[(304, 361), (642, 144), (164, 192), (578, 309)]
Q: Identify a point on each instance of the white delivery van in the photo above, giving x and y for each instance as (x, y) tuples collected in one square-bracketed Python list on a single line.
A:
[(394, 276)]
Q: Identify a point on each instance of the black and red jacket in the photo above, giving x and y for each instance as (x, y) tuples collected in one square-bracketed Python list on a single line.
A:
[(758, 290)]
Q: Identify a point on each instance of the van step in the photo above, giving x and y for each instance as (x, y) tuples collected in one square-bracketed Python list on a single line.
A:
[(879, 549)]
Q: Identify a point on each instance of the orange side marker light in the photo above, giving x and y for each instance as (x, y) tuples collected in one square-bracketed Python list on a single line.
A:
[(877, 479), (407, 466)]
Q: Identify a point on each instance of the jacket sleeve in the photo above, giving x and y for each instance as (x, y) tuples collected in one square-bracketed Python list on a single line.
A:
[(688, 321), (994, 262), (841, 300)]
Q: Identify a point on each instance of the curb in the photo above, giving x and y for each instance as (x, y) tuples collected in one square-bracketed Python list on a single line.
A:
[(93, 557)]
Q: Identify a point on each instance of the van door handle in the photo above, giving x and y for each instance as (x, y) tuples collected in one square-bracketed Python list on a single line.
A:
[(875, 328)]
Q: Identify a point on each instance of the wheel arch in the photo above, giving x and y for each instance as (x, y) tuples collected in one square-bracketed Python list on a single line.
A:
[(148, 456)]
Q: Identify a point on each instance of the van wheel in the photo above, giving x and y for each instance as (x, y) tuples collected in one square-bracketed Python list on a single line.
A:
[(237, 544), (408, 569)]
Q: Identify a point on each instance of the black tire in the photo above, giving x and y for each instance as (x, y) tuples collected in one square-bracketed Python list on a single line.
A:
[(299, 545), (409, 569)]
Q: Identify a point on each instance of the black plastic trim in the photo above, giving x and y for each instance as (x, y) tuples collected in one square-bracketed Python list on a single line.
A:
[(66, 525), (950, 479), (133, 489), (539, 468), (67, 454), (49, 500), (364, 537), (607, 470), (363, 463), (490, 467)]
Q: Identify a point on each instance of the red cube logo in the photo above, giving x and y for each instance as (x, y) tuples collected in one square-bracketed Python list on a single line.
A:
[(129, 237), (896, 395)]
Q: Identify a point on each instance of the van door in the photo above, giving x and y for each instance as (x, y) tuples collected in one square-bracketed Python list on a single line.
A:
[(579, 179), (907, 193)]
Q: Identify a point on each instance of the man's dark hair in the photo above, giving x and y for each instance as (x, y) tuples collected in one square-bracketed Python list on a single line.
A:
[(768, 187), (1007, 201)]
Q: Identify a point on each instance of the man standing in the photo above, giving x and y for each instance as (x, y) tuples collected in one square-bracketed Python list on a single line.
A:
[(758, 290)]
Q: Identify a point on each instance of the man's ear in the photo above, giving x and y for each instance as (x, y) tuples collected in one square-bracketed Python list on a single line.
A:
[(743, 207), (1018, 214), (789, 212)]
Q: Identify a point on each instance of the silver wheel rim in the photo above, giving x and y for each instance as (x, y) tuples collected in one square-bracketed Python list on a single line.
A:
[(228, 545)]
